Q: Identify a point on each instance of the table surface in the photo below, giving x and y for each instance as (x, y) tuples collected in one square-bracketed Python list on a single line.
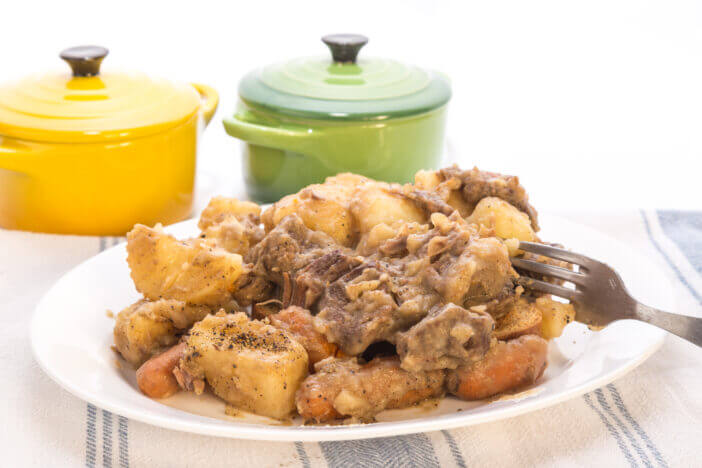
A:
[(650, 417)]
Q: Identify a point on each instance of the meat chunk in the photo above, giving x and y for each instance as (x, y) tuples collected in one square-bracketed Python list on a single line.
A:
[(449, 263), (472, 272), (252, 288), (449, 336), (507, 366), (231, 224), (248, 364), (308, 284), (294, 260), (427, 200), (342, 388), (191, 271), (455, 259), (476, 185), (370, 304), (299, 324), (289, 247), (146, 327)]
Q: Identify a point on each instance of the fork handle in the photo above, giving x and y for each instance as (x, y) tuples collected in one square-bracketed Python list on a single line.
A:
[(689, 328)]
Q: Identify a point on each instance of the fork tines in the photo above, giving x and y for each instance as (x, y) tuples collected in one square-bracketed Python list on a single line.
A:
[(577, 278)]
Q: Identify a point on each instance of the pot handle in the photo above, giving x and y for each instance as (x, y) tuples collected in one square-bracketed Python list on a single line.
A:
[(210, 100), (13, 157), (284, 138)]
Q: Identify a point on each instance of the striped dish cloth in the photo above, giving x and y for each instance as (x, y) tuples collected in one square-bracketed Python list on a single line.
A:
[(651, 417)]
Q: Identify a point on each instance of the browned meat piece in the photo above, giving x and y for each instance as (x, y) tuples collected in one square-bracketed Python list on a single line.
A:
[(289, 247), (459, 264), (261, 310), (466, 269), (251, 289), (370, 304), (449, 263), (477, 184), (429, 201), (299, 324), (309, 283), (507, 366), (344, 388), (449, 336)]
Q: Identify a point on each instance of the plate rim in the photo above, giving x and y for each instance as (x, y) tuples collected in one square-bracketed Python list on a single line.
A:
[(246, 431)]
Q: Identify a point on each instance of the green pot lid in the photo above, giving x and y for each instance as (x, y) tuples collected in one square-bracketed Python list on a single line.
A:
[(344, 88)]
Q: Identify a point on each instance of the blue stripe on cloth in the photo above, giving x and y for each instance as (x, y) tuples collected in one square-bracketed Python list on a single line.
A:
[(455, 451), (685, 229), (123, 431), (612, 430), (90, 446), (680, 276), (411, 451), (608, 409), (106, 439), (91, 418), (304, 459), (619, 403)]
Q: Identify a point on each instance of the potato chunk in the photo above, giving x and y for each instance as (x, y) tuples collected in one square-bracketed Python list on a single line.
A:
[(375, 204), (219, 209), (231, 224), (507, 221), (145, 327), (322, 207), (554, 316), (249, 364), (521, 318), (190, 271)]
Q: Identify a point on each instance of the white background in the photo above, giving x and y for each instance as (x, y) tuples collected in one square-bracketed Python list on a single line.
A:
[(594, 104)]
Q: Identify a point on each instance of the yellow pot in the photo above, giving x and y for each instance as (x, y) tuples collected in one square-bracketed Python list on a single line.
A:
[(95, 153)]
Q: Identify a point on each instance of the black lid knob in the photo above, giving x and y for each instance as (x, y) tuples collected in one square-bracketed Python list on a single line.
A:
[(84, 60), (344, 47)]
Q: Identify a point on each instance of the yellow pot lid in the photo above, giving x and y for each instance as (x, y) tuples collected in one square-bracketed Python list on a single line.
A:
[(88, 106)]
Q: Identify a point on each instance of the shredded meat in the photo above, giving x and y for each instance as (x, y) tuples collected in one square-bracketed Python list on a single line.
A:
[(476, 185), (450, 263), (430, 202), (310, 282), (449, 336), (360, 308), (289, 247)]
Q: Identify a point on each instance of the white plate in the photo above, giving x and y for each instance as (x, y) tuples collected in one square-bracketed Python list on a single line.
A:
[(71, 336)]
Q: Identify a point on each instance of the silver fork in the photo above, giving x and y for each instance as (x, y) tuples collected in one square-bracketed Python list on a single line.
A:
[(600, 296)]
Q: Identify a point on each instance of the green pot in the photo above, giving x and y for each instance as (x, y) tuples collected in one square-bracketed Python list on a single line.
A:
[(308, 119)]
